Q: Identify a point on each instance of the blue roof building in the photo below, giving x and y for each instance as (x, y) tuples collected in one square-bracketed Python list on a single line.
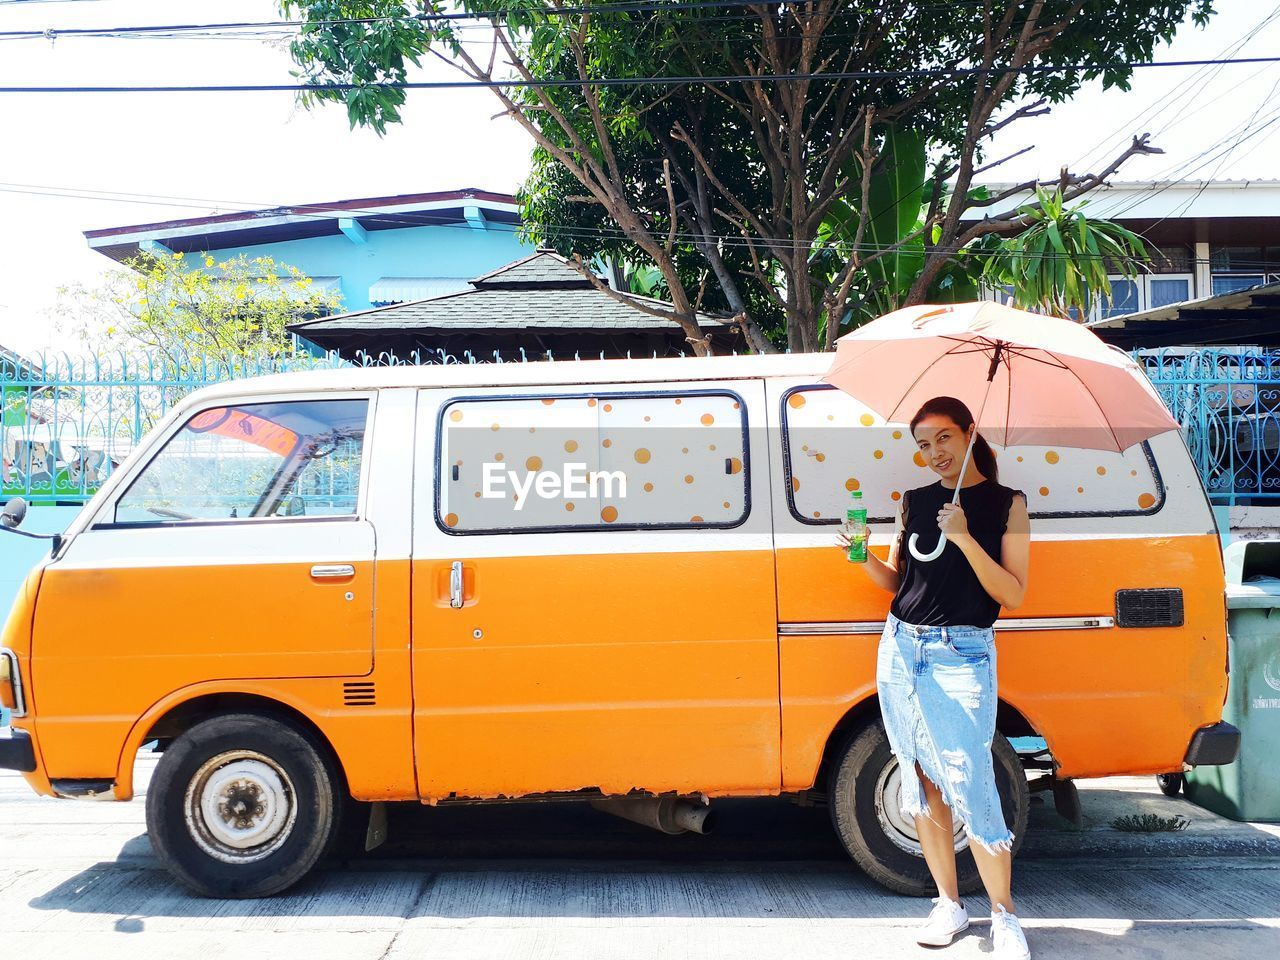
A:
[(375, 251)]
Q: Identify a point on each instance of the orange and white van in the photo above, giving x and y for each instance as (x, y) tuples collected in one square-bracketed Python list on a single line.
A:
[(613, 581)]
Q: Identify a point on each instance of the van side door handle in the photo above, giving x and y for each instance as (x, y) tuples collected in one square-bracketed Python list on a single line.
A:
[(455, 584), (333, 571)]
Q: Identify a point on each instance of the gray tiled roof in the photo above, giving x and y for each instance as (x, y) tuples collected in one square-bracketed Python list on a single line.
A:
[(537, 292), (506, 309), (542, 267)]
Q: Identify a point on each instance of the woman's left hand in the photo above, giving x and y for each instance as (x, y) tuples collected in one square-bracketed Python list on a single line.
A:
[(952, 522)]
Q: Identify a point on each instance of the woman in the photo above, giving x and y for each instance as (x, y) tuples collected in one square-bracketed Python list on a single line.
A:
[(936, 669)]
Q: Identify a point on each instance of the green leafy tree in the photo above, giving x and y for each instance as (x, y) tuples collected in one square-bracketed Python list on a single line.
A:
[(235, 308), (1061, 262), (735, 179)]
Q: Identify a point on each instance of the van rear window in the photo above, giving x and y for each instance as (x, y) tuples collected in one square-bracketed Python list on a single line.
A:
[(592, 461), (834, 445)]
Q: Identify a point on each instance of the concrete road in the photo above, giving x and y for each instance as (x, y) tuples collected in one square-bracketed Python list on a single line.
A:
[(540, 881)]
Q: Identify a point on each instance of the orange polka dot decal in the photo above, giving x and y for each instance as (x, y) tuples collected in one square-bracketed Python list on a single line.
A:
[(1102, 471), (851, 484), (795, 485), (1052, 457), (591, 401), (918, 457), (548, 401), (796, 401), (688, 478), (895, 495), (606, 442), (735, 465), (455, 414), (1146, 501), (897, 434), (695, 519), (707, 419), (879, 454), (607, 408), (648, 488), (642, 455), (569, 505), (609, 514), (866, 419), (1044, 491), (570, 446), (451, 520), (533, 463)]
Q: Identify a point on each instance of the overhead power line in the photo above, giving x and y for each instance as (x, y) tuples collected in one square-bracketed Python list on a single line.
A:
[(429, 219), (593, 9), (630, 81)]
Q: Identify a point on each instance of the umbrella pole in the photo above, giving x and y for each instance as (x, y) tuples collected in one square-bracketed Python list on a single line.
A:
[(936, 552)]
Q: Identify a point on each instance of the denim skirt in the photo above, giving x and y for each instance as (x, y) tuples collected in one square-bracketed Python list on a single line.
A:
[(937, 690)]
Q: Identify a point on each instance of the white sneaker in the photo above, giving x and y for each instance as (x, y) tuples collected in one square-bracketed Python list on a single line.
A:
[(1007, 940), (947, 919)]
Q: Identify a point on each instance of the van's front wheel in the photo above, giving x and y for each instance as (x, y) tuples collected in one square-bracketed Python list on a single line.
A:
[(241, 806), (863, 798)]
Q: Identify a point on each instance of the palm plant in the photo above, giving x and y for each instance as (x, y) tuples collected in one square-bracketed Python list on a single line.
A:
[(1063, 261)]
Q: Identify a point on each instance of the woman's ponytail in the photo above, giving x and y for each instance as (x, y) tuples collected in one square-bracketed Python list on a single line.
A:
[(984, 458)]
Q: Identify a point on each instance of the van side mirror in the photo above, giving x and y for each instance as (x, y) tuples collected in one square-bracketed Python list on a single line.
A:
[(12, 515), (14, 512)]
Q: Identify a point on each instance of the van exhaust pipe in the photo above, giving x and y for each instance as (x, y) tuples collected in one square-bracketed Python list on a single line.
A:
[(670, 815)]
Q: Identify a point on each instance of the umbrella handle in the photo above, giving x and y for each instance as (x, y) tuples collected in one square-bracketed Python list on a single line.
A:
[(926, 557)]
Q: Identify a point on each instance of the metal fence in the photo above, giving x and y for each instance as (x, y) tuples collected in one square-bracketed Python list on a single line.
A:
[(66, 422), (1228, 403)]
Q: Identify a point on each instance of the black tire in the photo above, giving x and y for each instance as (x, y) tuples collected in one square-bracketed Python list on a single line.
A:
[(883, 853), (1170, 783), (277, 777)]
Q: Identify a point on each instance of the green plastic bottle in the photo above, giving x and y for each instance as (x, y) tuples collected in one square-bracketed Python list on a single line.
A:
[(856, 528)]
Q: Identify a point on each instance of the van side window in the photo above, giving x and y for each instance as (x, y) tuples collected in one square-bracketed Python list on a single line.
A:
[(592, 461), (834, 445), (288, 459)]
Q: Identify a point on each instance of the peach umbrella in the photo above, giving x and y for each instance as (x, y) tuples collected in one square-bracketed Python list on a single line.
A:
[(1031, 378)]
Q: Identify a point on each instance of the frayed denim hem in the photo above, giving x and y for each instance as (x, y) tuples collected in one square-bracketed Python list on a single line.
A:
[(1002, 845), (912, 803)]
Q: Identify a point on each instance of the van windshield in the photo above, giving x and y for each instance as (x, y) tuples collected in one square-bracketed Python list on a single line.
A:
[(293, 458)]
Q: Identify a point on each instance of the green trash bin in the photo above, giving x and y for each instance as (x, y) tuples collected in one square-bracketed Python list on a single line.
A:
[(1249, 787)]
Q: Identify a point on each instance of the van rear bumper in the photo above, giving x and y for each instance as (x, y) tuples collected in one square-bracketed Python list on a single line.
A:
[(17, 752), (1213, 745)]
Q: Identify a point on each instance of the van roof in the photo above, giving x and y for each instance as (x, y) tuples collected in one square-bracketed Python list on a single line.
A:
[(533, 373)]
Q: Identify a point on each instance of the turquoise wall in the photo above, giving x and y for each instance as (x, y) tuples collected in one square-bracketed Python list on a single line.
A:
[(19, 554), (459, 250)]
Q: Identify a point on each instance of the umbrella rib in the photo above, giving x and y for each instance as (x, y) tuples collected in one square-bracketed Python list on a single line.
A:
[(1008, 399), (1057, 366), (1105, 418)]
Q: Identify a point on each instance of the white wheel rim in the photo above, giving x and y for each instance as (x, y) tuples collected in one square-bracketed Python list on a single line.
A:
[(240, 807), (897, 826)]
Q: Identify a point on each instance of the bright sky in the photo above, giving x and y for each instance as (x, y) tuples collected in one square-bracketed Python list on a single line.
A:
[(238, 150)]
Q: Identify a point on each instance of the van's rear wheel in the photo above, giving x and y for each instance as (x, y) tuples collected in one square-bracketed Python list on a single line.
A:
[(864, 809), (242, 806)]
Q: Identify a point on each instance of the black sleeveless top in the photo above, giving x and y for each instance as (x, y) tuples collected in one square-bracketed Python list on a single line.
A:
[(946, 592)]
